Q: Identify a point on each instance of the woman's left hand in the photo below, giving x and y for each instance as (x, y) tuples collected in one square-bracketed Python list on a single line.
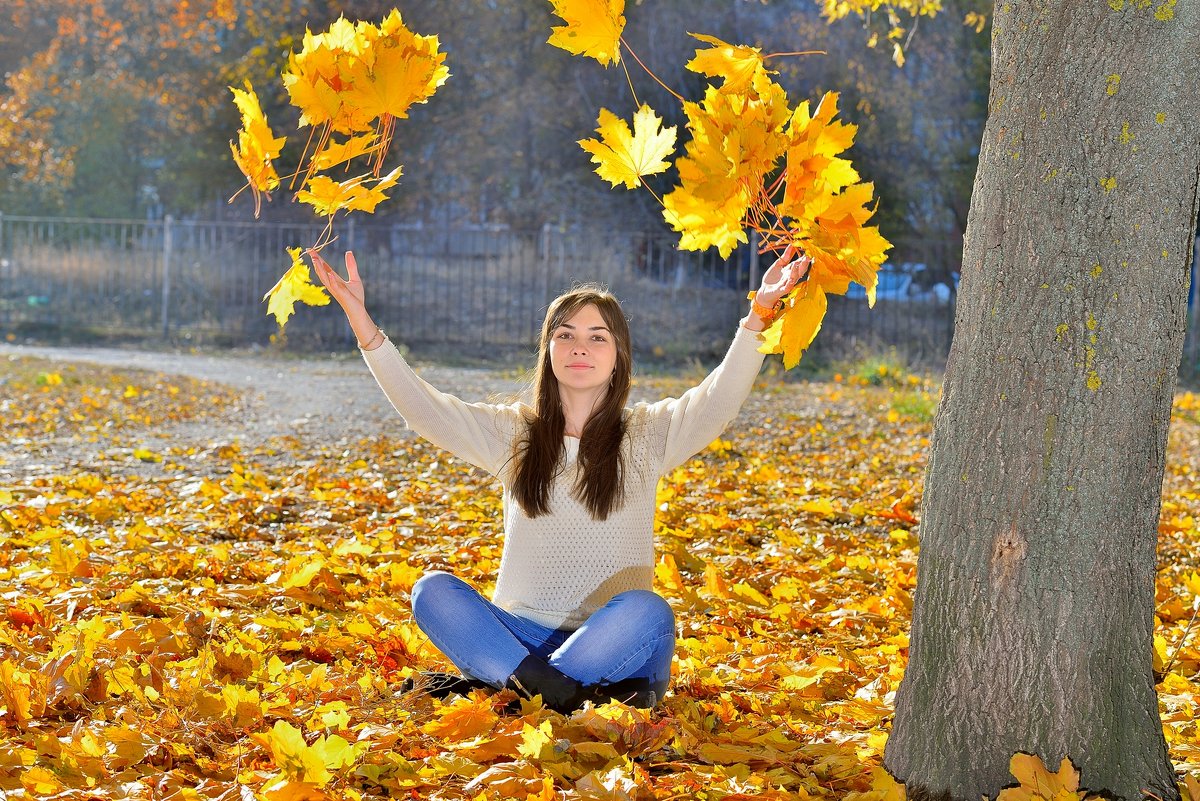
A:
[(782, 277)]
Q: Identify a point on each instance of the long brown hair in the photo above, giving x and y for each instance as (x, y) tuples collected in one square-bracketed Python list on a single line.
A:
[(600, 485)]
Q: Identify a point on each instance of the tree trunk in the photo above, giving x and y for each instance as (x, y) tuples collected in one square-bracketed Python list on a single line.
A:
[(1034, 609)]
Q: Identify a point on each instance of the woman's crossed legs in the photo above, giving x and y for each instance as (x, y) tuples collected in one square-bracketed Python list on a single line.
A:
[(632, 637)]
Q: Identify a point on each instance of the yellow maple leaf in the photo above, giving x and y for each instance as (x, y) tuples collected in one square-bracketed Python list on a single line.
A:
[(295, 286), (329, 197), (295, 758), (827, 210), (351, 75), (1037, 782), (797, 325), (615, 784), (624, 156), (463, 719), (288, 790), (40, 782), (703, 221), (394, 69), (843, 249), (335, 153), (593, 28), (257, 146), (16, 692), (310, 79), (536, 741), (336, 752), (885, 787), (736, 64), (813, 169)]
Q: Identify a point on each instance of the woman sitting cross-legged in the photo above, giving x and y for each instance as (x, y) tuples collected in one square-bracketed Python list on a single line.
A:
[(573, 617)]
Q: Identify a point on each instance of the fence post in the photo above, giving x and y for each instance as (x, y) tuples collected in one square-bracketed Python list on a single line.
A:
[(166, 277)]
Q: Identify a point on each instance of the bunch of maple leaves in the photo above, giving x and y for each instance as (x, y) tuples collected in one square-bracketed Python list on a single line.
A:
[(231, 622), (351, 83), (729, 176), (357, 79)]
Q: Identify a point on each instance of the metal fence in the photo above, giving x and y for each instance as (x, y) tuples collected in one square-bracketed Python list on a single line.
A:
[(470, 293), (473, 290)]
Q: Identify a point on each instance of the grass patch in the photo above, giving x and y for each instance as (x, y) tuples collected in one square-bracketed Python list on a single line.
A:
[(917, 405)]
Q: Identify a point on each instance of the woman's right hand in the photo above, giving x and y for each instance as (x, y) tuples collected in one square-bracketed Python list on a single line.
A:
[(349, 294)]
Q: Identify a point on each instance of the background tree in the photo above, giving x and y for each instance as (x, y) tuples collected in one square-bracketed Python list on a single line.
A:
[(122, 108), (1034, 608)]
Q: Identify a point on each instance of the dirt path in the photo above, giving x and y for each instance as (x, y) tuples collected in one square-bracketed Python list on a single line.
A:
[(329, 400)]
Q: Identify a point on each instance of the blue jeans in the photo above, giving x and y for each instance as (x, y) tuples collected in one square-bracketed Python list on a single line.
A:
[(632, 636)]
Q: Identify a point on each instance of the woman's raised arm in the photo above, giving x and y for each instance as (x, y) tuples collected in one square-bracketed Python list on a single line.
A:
[(480, 433)]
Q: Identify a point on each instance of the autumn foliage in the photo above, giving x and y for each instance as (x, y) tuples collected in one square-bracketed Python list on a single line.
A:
[(186, 616)]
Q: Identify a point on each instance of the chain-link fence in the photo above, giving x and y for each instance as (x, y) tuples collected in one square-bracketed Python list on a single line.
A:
[(465, 292)]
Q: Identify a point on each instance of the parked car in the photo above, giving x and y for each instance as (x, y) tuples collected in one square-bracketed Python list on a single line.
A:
[(902, 284), (893, 285)]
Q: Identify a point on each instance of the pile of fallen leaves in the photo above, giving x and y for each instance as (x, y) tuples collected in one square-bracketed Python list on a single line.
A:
[(236, 625), (50, 399)]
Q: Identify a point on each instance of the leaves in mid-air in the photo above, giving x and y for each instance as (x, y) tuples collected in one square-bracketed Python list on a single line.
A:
[(622, 156), (328, 197), (294, 287), (593, 28), (738, 65), (257, 147), (354, 79)]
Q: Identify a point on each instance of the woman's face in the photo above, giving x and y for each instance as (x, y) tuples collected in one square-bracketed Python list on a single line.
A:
[(582, 351)]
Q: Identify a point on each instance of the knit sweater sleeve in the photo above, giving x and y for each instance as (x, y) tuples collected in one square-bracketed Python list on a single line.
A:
[(690, 422), (479, 433)]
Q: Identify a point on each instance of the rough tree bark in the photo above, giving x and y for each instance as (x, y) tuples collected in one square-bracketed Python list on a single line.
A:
[(1032, 623)]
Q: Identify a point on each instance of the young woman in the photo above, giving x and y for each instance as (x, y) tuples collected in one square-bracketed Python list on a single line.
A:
[(573, 617)]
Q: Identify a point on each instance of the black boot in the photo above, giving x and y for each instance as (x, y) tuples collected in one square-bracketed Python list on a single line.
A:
[(439, 685), (637, 692), (534, 676)]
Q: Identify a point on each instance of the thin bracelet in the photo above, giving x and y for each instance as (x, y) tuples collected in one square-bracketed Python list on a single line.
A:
[(378, 333)]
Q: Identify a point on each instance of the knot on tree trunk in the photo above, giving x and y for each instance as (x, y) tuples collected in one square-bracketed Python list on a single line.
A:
[(1008, 554)]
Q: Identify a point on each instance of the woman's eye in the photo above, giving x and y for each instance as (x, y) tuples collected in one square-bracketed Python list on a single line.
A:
[(598, 338)]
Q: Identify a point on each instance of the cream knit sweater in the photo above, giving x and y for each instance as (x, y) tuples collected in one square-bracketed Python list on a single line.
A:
[(559, 568)]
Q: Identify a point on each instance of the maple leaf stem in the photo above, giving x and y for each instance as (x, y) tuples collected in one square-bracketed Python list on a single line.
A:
[(312, 163), (384, 133), (652, 193), (326, 238), (778, 182), (625, 44), (303, 157), (796, 53), (629, 80)]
